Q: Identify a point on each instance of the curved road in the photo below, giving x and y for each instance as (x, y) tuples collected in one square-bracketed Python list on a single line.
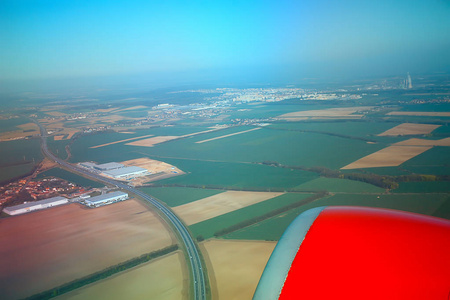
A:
[(194, 257)]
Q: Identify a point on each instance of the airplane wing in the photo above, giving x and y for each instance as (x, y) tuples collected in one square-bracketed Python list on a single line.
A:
[(359, 253)]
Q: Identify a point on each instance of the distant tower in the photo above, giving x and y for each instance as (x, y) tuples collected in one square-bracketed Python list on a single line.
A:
[(409, 81)]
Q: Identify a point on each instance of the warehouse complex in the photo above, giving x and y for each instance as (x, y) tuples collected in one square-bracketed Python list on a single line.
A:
[(116, 170), (106, 199), (31, 206)]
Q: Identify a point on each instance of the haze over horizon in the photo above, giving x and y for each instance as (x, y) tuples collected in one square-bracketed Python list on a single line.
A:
[(184, 41)]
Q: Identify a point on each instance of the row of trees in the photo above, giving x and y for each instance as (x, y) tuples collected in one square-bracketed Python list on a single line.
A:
[(383, 181), (77, 283)]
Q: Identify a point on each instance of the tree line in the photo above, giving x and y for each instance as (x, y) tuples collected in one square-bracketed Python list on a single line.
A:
[(77, 283)]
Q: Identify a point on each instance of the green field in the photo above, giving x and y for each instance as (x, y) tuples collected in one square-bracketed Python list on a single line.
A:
[(424, 187), (209, 227), (338, 185), (11, 124), (351, 128), (273, 228), (11, 172), (236, 176), (18, 157), (71, 177), (174, 196), (58, 147)]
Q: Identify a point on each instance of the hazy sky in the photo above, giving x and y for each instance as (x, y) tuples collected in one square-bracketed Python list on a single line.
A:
[(54, 39)]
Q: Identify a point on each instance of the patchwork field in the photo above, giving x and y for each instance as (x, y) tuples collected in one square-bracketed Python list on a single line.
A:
[(219, 204), (175, 196), (387, 157), (20, 131), (47, 248), (419, 113), (330, 113), (162, 279), (235, 266), (209, 227), (409, 129)]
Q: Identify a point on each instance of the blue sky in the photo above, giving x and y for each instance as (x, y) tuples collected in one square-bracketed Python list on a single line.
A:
[(63, 39)]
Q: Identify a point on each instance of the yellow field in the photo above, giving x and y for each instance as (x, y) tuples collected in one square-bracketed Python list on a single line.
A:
[(235, 267), (219, 204), (121, 141), (227, 135), (409, 129), (388, 157), (422, 142), (133, 108), (152, 141), (419, 113), (47, 248), (331, 113), (162, 279)]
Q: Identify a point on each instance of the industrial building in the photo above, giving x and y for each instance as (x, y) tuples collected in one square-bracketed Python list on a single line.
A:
[(101, 167), (108, 166), (31, 206), (106, 199), (126, 172)]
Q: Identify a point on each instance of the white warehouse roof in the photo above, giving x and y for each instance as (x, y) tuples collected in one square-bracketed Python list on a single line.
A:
[(106, 197), (109, 166), (125, 171), (34, 203)]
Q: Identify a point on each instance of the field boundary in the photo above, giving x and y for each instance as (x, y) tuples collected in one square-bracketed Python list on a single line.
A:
[(105, 273)]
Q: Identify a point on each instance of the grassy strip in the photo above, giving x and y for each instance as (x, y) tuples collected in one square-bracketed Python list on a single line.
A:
[(105, 273), (268, 215), (225, 188)]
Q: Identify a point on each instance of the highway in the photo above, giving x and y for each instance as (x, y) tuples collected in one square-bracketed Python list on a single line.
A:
[(191, 249)]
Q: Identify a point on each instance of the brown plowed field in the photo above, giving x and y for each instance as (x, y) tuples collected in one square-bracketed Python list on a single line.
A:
[(410, 129), (47, 248), (388, 157)]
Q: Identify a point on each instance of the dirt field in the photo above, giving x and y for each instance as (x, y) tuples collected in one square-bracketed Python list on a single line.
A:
[(105, 110), (47, 248), (419, 113), (133, 108), (409, 129), (121, 141), (331, 113), (227, 135), (55, 113), (152, 141), (422, 142), (158, 169), (235, 267), (162, 279), (388, 157), (219, 204)]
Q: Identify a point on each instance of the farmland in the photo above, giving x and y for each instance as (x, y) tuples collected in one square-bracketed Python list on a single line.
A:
[(242, 171), (84, 241)]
